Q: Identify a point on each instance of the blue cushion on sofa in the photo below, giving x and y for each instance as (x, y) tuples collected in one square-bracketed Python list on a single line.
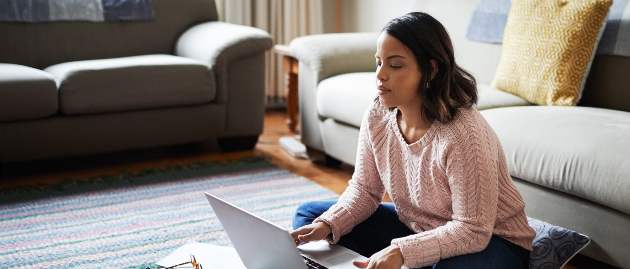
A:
[(554, 246)]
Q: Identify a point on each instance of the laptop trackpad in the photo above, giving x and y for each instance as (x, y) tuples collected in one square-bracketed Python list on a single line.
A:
[(331, 256)]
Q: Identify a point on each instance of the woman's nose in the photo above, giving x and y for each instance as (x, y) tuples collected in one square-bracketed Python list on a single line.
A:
[(381, 74)]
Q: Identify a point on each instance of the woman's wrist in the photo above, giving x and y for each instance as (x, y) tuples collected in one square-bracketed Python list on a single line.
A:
[(397, 254), (326, 226)]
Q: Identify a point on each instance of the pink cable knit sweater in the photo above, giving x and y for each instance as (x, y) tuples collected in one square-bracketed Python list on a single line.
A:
[(451, 187)]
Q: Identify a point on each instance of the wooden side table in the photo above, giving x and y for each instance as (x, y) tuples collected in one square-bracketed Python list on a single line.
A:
[(290, 70)]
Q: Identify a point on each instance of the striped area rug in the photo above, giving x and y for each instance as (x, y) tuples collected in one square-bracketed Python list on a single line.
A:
[(130, 221)]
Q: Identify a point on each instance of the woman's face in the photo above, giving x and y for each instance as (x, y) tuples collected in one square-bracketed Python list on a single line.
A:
[(397, 72)]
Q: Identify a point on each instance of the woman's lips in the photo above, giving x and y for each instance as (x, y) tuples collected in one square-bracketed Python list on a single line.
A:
[(382, 90)]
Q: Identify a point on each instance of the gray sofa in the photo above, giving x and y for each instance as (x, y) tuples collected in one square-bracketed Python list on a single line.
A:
[(75, 88), (570, 163)]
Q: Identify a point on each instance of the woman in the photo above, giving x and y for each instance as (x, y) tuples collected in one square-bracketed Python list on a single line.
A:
[(423, 142)]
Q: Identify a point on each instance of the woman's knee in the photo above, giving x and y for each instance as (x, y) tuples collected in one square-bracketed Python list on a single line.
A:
[(307, 212)]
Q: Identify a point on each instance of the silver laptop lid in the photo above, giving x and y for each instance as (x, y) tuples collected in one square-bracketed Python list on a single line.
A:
[(259, 243)]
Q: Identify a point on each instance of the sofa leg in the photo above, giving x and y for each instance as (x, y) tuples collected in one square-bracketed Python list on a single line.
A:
[(237, 143)]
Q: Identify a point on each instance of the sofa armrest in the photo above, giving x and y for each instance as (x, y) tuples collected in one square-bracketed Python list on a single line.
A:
[(212, 42), (219, 44), (323, 56), (332, 54), (232, 52)]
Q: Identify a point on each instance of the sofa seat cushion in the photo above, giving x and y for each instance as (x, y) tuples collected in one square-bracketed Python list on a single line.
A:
[(132, 83), (346, 97), (26, 93), (581, 151)]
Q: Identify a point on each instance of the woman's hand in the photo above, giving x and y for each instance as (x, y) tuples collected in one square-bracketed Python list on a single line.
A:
[(388, 258), (312, 232)]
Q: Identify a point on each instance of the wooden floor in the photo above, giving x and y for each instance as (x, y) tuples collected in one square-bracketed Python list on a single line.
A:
[(55, 171)]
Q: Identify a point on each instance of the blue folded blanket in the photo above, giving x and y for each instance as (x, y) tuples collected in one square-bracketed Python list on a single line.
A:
[(488, 21), (75, 10), (490, 16)]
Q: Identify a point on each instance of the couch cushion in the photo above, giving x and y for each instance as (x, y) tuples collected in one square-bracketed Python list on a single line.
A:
[(492, 98), (132, 83), (554, 246), (582, 151), (26, 93), (346, 97), (549, 67)]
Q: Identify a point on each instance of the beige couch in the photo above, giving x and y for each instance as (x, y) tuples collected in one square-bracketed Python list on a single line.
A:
[(570, 163), (75, 88)]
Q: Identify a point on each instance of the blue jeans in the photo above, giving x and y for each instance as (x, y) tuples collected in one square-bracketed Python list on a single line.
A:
[(375, 234)]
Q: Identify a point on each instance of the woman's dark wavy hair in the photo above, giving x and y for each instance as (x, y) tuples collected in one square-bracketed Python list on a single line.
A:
[(452, 87)]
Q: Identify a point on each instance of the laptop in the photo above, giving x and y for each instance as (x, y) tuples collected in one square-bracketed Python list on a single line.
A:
[(263, 245)]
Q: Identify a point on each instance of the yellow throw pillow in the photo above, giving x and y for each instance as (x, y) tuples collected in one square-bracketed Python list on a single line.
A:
[(548, 46)]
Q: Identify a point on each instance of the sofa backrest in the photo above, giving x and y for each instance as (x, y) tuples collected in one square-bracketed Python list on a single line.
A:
[(40, 45), (608, 83)]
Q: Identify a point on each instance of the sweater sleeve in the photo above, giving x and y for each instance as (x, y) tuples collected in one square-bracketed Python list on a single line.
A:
[(472, 173), (364, 192)]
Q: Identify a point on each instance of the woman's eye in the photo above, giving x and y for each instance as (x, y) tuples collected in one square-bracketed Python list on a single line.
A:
[(394, 66)]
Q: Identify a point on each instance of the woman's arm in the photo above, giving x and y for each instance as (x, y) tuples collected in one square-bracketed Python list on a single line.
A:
[(472, 172), (364, 192)]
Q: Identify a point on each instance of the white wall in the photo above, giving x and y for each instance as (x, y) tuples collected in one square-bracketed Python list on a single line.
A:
[(371, 15)]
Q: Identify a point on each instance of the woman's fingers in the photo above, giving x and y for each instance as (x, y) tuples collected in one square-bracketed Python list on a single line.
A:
[(302, 235), (299, 231), (307, 237), (361, 264), (311, 232)]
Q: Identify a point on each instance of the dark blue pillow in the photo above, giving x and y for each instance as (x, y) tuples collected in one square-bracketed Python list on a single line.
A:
[(554, 246)]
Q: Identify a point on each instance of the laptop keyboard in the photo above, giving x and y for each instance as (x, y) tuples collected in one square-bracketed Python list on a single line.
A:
[(311, 264)]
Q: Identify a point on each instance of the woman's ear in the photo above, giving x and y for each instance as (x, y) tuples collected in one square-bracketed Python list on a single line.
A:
[(434, 68)]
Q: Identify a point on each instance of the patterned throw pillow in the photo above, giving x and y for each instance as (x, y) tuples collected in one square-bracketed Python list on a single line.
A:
[(554, 246), (548, 47)]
